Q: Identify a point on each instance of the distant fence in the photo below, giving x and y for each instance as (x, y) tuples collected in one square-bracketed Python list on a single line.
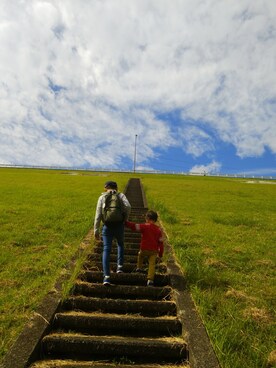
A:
[(167, 172)]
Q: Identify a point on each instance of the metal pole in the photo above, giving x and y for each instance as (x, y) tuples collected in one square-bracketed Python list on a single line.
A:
[(134, 159)]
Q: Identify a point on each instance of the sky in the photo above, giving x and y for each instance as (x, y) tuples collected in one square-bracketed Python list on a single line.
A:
[(179, 85)]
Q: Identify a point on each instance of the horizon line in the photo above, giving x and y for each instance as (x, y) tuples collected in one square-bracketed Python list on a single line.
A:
[(165, 172)]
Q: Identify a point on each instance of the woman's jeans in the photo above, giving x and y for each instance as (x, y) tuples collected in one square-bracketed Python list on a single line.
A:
[(110, 232)]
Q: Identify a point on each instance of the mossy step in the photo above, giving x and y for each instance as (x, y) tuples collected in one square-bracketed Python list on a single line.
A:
[(79, 346), (137, 217), (136, 201), (97, 265), (133, 278), (128, 251), (122, 291), (123, 306), (113, 258), (128, 267), (93, 364), (127, 245), (132, 236), (139, 209), (131, 233), (124, 325)]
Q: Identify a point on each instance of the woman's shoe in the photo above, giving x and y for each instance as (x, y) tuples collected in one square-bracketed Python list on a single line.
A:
[(106, 281), (119, 269)]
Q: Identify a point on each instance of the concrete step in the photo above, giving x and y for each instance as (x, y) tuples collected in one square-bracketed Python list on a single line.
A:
[(123, 306), (128, 267), (139, 209), (127, 245), (133, 278), (137, 217), (97, 266), (96, 364), (122, 291), (80, 346), (113, 324), (128, 251), (132, 237), (113, 258), (133, 234)]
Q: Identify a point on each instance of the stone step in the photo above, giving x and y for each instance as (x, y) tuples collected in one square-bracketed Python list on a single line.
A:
[(123, 306), (128, 267), (133, 234), (137, 205), (134, 278), (128, 251), (122, 291), (137, 217), (80, 346), (127, 245), (137, 214), (112, 324), (113, 258), (132, 242), (139, 209), (96, 364), (128, 259)]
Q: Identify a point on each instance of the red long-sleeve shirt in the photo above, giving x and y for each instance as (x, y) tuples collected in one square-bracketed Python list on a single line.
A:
[(151, 236)]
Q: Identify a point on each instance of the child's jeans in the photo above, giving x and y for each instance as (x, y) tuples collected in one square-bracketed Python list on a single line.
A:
[(151, 255), (109, 232)]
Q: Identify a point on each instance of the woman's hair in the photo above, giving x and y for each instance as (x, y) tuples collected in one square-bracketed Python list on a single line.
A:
[(152, 215), (111, 185)]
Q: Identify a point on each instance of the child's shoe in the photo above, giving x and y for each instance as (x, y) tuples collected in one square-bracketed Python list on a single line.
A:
[(106, 281), (150, 283), (139, 270)]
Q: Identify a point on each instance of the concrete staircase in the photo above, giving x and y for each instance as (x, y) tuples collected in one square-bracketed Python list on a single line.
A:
[(126, 324)]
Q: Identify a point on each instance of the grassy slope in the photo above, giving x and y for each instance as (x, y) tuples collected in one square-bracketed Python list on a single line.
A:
[(221, 229), (223, 233), (44, 215)]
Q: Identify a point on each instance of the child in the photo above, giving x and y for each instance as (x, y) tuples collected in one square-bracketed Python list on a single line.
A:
[(151, 243)]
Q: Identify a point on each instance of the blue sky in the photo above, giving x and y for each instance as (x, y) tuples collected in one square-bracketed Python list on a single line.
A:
[(194, 79)]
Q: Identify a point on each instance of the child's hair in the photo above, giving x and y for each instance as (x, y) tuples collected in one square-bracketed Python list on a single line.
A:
[(152, 215)]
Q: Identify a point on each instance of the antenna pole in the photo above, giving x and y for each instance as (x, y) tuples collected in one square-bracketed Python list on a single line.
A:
[(134, 159)]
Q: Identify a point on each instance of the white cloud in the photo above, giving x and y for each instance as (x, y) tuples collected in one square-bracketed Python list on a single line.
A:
[(79, 79), (195, 141), (212, 168)]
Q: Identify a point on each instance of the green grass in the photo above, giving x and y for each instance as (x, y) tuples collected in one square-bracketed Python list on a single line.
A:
[(223, 234), (222, 231), (44, 216)]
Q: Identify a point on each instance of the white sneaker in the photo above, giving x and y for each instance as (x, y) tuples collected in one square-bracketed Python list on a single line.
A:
[(106, 280), (119, 269)]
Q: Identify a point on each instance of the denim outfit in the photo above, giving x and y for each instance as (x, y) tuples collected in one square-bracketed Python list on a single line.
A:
[(110, 232)]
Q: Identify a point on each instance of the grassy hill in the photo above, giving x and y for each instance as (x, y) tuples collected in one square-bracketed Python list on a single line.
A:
[(222, 231)]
